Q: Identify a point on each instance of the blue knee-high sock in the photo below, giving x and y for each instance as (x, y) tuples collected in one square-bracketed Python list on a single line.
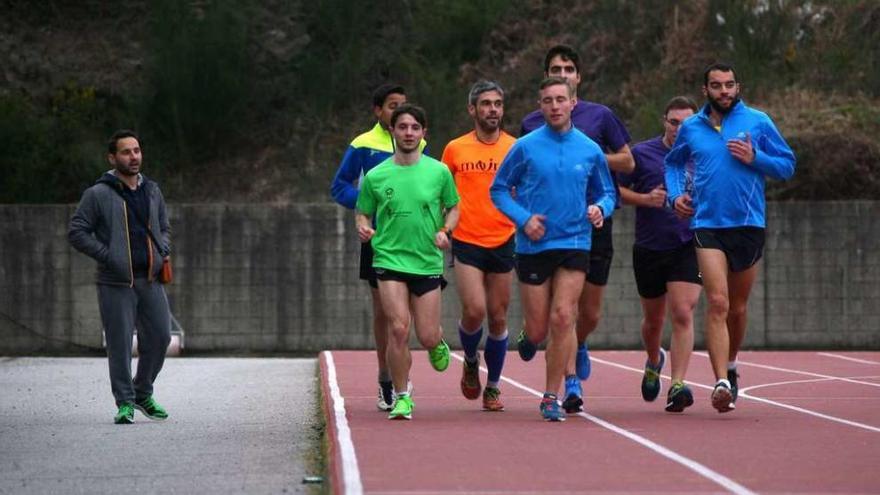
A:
[(496, 349), (470, 341)]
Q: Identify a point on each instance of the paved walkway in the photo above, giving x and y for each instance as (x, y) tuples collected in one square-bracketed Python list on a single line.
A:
[(236, 426)]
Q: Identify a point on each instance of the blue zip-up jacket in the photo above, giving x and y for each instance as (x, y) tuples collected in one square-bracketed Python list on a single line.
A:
[(553, 174), (365, 152), (727, 192)]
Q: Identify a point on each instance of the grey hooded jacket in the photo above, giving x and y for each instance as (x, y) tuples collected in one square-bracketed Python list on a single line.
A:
[(99, 228)]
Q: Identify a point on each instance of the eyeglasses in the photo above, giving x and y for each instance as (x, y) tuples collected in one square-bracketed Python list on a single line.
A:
[(673, 122)]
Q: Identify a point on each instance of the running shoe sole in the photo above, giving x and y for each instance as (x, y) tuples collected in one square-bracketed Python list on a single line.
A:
[(722, 399), (573, 404), (526, 349)]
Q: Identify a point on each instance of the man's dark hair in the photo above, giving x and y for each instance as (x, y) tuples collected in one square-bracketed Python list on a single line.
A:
[(680, 103), (565, 52), (120, 134), (553, 81), (719, 66), (417, 113), (382, 92)]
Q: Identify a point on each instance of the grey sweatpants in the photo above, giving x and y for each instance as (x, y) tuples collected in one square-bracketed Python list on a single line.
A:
[(145, 307)]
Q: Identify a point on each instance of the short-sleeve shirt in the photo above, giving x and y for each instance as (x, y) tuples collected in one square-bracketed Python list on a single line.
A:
[(473, 165), (408, 202), (657, 229)]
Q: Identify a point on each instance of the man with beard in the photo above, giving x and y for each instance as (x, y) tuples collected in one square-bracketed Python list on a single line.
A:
[(415, 203), (121, 222), (734, 147), (601, 125), (365, 152), (553, 171), (664, 261), (482, 244)]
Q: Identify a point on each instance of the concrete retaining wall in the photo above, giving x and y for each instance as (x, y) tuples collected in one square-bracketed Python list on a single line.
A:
[(283, 278)]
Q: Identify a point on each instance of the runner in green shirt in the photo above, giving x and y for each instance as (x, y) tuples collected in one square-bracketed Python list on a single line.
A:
[(408, 194)]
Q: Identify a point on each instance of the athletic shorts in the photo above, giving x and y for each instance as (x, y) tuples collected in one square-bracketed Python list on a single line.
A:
[(743, 246), (535, 269), (601, 254), (367, 271), (490, 260), (654, 269), (417, 284)]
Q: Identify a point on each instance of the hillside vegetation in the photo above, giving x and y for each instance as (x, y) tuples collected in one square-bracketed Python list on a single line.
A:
[(256, 100)]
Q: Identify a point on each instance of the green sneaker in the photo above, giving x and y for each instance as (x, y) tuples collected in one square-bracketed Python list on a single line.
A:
[(403, 408), (439, 356), (151, 409), (125, 416)]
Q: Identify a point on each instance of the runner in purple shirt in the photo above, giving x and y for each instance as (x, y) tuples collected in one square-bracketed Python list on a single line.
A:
[(600, 124), (664, 261)]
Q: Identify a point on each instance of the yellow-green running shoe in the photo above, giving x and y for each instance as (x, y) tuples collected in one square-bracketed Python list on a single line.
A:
[(151, 409), (403, 407), (125, 416), (439, 356)]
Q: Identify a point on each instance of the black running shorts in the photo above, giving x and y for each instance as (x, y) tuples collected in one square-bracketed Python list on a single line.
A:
[(743, 246)]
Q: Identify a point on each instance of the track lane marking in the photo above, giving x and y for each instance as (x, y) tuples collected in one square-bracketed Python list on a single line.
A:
[(797, 372), (752, 397), (702, 470), (351, 473), (847, 358)]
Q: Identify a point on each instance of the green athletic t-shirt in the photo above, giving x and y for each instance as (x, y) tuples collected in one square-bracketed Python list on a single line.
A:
[(408, 203)]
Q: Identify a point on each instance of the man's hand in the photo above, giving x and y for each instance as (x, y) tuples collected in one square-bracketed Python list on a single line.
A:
[(657, 197), (683, 206), (595, 216), (742, 150), (534, 227), (441, 240), (365, 233)]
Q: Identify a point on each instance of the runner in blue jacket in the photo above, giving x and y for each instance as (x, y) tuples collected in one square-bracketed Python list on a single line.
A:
[(733, 147), (553, 171)]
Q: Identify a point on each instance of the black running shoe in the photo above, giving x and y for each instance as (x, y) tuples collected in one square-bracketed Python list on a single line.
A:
[(732, 375)]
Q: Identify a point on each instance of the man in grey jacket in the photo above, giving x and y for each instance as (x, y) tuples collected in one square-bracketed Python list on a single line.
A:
[(121, 222)]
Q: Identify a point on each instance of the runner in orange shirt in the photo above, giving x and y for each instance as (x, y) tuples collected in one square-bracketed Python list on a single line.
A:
[(482, 244)]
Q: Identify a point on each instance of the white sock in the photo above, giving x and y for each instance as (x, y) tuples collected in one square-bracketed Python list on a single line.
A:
[(731, 366), (723, 381)]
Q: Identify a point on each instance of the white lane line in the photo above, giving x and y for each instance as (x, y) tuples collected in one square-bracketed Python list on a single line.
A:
[(798, 382), (847, 358), (351, 473), (797, 372), (687, 462), (742, 394)]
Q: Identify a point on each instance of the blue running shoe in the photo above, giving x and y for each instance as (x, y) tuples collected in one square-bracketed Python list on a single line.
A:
[(651, 383), (527, 350), (550, 409), (582, 362), (679, 398), (574, 397)]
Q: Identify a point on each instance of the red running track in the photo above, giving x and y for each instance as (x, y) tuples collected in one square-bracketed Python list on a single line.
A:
[(806, 422)]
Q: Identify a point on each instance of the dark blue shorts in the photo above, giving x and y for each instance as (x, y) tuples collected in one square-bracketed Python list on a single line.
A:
[(653, 269), (535, 269), (417, 284), (490, 260), (743, 246)]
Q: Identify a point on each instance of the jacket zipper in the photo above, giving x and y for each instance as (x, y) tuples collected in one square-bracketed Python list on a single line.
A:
[(128, 242)]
